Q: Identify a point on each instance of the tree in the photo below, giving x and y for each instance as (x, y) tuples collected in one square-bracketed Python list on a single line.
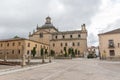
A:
[(73, 53), (65, 49), (70, 51), (46, 52), (16, 36), (52, 53), (76, 51), (33, 52), (42, 54)]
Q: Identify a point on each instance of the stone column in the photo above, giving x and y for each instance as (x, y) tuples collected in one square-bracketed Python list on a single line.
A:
[(29, 57), (50, 58), (23, 63), (5, 57)]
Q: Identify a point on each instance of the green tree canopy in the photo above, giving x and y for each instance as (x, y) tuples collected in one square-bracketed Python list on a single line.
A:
[(33, 52), (46, 52), (52, 52), (16, 36), (42, 51)]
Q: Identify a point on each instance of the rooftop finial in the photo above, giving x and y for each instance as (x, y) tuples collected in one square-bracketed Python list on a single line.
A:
[(37, 27), (48, 20)]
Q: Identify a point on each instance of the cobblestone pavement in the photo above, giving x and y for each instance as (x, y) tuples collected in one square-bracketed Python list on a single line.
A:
[(6, 67), (75, 69)]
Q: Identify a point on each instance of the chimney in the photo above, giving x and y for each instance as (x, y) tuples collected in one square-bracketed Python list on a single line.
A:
[(83, 27)]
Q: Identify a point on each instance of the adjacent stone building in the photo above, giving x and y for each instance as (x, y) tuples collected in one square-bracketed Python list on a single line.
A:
[(109, 44), (17, 47)]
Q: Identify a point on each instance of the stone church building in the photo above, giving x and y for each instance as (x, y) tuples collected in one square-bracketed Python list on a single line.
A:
[(57, 40)]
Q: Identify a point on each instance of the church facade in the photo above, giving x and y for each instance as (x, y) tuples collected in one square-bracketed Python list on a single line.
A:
[(58, 40)]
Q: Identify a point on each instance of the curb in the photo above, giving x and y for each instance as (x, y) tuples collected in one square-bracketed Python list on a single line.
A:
[(18, 69)]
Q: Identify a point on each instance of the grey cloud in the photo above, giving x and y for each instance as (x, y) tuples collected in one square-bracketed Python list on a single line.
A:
[(92, 39), (112, 26), (21, 16), (78, 12)]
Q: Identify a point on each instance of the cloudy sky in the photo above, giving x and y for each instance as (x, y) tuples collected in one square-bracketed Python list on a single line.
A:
[(19, 17)]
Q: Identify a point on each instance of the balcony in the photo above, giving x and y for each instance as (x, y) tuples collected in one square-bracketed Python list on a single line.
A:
[(111, 46)]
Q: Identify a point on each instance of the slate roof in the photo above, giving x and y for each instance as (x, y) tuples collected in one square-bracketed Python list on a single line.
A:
[(112, 32), (17, 39), (68, 32)]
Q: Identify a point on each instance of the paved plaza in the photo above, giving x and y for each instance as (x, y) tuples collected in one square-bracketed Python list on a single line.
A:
[(75, 69)]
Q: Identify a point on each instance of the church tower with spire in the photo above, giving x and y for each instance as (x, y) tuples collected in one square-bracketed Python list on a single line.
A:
[(43, 32)]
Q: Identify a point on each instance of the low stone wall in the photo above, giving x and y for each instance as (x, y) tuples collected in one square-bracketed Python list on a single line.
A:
[(113, 58), (63, 58)]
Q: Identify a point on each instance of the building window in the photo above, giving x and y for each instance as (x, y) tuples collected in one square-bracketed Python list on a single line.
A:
[(56, 37), (19, 43), (111, 44), (1, 45), (28, 52), (18, 51), (79, 35), (112, 53), (63, 36), (36, 45), (44, 47), (53, 44), (28, 44), (73, 44), (7, 44), (41, 35), (41, 46), (61, 44), (13, 44), (118, 45), (65, 44), (7, 52), (12, 51), (70, 36), (61, 51), (78, 44)]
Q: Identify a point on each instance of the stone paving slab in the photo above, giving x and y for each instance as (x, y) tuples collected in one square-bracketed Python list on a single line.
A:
[(19, 68), (75, 69)]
